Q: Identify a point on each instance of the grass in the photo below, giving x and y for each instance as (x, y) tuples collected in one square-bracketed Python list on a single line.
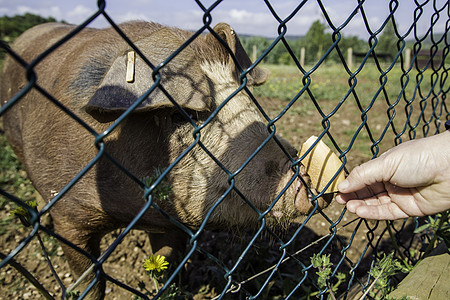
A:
[(375, 95), (13, 178), (332, 82)]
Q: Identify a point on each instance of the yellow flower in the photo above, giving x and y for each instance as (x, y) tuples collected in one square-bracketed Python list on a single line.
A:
[(19, 211), (155, 263), (24, 214), (22, 211)]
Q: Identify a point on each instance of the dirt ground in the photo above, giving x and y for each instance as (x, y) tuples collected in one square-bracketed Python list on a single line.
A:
[(202, 278)]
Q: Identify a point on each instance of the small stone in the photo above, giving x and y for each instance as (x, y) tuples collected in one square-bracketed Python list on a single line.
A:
[(67, 280), (346, 122)]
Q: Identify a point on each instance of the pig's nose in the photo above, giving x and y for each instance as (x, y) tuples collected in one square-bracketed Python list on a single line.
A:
[(289, 166), (325, 200)]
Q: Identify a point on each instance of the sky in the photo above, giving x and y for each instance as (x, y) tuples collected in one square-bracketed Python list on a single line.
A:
[(250, 17)]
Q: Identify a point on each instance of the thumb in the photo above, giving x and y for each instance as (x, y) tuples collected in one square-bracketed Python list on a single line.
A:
[(364, 175)]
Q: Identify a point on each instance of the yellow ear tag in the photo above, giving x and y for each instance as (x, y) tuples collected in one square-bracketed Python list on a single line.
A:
[(130, 66), (321, 165)]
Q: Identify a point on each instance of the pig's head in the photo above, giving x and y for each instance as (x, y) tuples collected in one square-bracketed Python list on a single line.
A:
[(216, 171)]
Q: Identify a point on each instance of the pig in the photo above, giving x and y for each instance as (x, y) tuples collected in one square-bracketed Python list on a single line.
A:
[(88, 75)]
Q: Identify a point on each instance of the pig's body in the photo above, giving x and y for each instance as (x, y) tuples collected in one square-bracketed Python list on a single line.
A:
[(87, 75)]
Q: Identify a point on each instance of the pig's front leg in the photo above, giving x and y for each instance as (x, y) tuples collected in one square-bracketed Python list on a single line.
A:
[(89, 241), (171, 244)]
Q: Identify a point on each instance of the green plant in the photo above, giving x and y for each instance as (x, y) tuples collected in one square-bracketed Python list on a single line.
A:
[(156, 265), (24, 214), (73, 294), (439, 228), (384, 268), (172, 292), (163, 189), (323, 264), (13, 178)]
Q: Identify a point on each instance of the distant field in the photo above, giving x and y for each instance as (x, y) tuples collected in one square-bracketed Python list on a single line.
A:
[(330, 84)]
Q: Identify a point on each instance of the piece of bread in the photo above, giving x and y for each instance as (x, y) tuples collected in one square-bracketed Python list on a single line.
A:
[(321, 165)]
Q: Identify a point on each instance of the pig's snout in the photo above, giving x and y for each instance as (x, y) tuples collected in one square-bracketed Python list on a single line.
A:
[(297, 195), (303, 200)]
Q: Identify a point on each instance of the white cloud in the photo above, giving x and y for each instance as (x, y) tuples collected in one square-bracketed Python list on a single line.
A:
[(130, 15), (190, 20), (5, 11), (78, 14), (240, 15), (246, 22), (51, 11), (246, 17)]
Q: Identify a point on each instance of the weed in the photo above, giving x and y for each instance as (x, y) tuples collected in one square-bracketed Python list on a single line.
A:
[(13, 177), (438, 228), (73, 294), (323, 264), (156, 267), (163, 189), (383, 269), (23, 213)]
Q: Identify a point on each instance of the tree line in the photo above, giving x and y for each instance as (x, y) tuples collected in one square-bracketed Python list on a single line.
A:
[(316, 42), (12, 27)]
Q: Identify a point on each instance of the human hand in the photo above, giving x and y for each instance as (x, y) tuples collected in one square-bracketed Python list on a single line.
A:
[(411, 179)]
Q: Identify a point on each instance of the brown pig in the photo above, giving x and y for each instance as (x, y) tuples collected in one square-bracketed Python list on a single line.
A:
[(88, 75)]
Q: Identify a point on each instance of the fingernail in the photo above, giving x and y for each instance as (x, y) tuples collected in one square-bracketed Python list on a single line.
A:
[(339, 199), (343, 185)]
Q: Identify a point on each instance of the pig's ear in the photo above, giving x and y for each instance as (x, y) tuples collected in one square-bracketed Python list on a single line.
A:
[(182, 78), (256, 76)]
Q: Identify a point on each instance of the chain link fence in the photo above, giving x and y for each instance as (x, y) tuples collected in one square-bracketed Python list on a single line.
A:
[(330, 252)]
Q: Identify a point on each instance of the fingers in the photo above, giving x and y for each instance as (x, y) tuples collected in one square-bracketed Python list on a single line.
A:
[(375, 208), (405, 181), (364, 176), (367, 192), (388, 204), (389, 211)]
